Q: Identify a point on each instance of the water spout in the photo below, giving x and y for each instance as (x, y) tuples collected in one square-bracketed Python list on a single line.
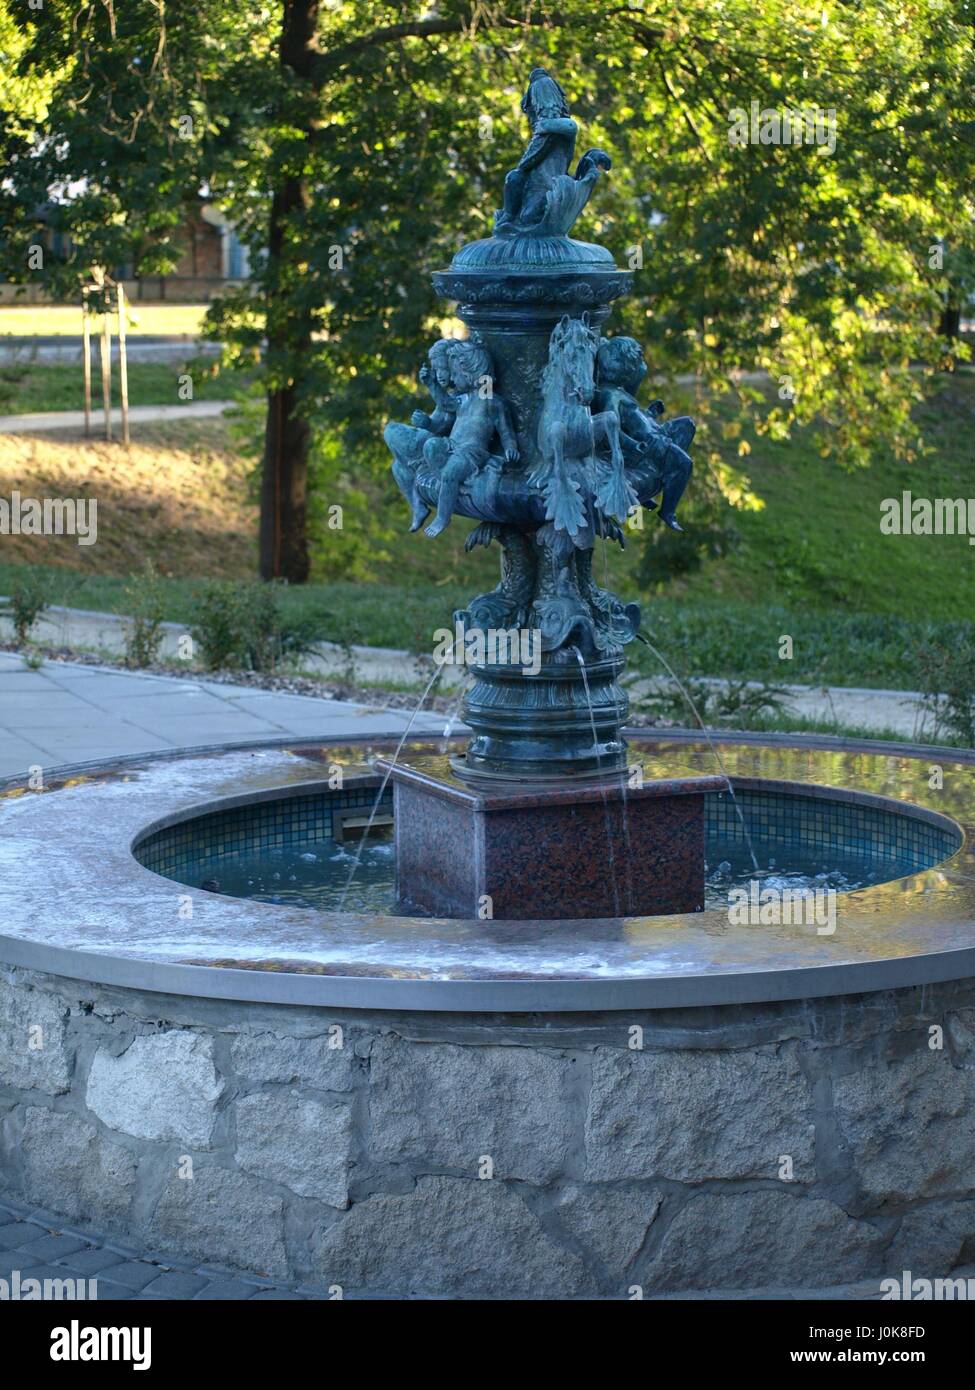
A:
[(602, 790), (710, 741), (382, 787)]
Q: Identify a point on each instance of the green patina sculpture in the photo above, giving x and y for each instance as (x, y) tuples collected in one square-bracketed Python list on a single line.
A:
[(536, 433)]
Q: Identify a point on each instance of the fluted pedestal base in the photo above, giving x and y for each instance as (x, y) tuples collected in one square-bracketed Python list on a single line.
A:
[(563, 722)]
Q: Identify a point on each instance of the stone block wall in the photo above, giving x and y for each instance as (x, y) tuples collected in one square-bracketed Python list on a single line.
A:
[(789, 1146)]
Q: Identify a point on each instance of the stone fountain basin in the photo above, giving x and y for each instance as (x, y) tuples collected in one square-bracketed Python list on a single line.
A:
[(636, 1084), (74, 899)]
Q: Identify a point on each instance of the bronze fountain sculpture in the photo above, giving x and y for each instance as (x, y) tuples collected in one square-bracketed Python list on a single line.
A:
[(536, 434)]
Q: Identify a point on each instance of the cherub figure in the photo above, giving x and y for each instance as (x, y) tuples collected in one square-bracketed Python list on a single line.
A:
[(656, 454), (435, 376), (480, 415), (406, 442)]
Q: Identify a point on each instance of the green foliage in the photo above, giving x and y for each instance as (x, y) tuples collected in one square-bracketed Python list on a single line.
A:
[(244, 625), (147, 609), (709, 532), (738, 704), (29, 597), (29, 386), (946, 679), (813, 265)]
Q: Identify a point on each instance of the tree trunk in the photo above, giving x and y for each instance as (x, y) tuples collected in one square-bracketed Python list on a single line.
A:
[(287, 437), (950, 325)]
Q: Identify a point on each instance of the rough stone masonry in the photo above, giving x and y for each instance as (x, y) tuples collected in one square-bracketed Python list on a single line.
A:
[(778, 1146)]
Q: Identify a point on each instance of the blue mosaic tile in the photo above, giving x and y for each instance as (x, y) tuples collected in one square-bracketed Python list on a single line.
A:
[(782, 823)]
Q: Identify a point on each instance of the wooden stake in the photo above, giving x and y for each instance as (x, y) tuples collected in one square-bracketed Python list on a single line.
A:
[(122, 368), (86, 350), (107, 371)]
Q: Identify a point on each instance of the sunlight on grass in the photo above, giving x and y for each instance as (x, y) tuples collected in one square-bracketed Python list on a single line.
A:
[(62, 320)]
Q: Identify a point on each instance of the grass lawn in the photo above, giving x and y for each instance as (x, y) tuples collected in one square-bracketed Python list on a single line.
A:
[(29, 386), (178, 495), (64, 320), (813, 565), (818, 539), (698, 637)]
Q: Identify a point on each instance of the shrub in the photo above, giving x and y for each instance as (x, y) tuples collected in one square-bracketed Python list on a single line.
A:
[(243, 625), (144, 634), (29, 597), (946, 680), (734, 704)]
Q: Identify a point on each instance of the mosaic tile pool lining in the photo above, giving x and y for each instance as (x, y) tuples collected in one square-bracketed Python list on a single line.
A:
[(902, 843)]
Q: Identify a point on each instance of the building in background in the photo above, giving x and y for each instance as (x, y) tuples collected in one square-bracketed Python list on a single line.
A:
[(212, 259)]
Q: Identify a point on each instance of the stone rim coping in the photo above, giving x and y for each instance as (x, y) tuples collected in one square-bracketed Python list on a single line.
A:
[(75, 903)]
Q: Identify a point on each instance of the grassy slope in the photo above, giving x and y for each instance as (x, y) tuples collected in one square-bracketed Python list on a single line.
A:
[(28, 386), (812, 565), (178, 495), (818, 541)]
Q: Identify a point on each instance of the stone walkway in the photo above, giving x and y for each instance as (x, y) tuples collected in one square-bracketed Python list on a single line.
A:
[(39, 1246), (42, 421), (67, 713), (894, 711)]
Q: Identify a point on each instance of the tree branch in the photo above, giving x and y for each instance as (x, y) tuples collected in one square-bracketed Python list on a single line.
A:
[(331, 62)]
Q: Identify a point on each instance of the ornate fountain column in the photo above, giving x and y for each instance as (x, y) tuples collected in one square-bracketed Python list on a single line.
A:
[(564, 719), (536, 434)]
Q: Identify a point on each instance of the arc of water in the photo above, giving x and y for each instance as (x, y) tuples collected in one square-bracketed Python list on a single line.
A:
[(382, 787), (602, 789), (710, 741)]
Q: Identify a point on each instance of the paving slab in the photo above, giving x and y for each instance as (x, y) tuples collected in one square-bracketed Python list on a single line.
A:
[(67, 712), (17, 754)]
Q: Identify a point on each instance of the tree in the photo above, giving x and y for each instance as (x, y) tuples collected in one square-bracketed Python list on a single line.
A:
[(356, 146)]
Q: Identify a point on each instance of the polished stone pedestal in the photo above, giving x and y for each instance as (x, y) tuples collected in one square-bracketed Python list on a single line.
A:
[(467, 848)]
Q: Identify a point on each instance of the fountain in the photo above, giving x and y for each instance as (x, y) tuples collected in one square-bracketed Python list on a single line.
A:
[(537, 435), (584, 1039)]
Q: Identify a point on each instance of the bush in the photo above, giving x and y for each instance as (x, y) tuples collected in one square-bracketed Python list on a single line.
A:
[(144, 634), (242, 625), (29, 597), (737, 704), (946, 680)]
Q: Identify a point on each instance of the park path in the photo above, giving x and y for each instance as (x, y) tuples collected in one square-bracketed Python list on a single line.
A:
[(43, 421), (897, 712), (68, 713)]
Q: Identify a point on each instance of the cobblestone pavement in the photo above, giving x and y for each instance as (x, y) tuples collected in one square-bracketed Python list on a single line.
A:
[(40, 1246)]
